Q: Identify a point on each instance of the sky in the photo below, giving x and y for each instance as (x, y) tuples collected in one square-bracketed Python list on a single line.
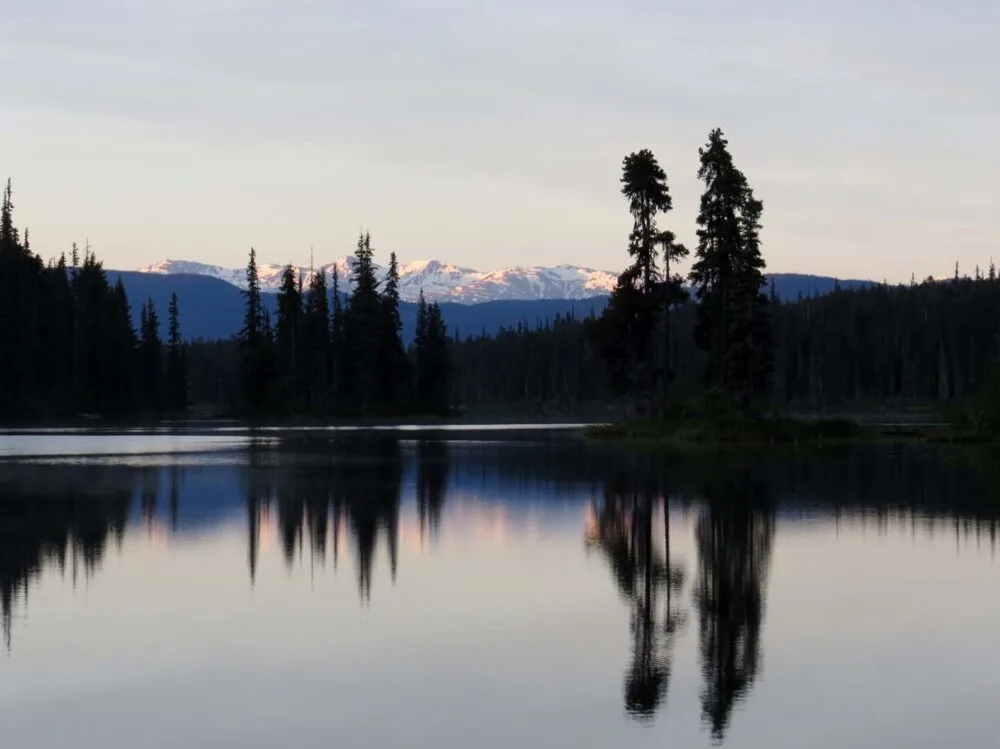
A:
[(491, 134)]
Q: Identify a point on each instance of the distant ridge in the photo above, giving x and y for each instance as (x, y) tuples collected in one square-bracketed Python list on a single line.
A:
[(212, 308), (439, 281)]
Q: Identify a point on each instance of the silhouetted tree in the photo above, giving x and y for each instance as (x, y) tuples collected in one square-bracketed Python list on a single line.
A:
[(177, 374), (733, 321), (150, 357), (254, 344)]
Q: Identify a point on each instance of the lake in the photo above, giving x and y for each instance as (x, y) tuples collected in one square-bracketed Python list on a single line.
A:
[(490, 588)]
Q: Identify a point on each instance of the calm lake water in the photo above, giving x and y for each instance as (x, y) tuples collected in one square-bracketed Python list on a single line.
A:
[(471, 588)]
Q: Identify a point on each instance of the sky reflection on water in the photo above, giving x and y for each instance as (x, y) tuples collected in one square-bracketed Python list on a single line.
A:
[(388, 591)]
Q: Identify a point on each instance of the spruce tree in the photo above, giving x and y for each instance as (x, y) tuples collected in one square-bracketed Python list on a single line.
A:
[(642, 297), (733, 322), (644, 183), (150, 357), (421, 353), (177, 375), (8, 232), (673, 294), (438, 361), (117, 358), (254, 343), (338, 364), (361, 325), (392, 363), (316, 344), (288, 340)]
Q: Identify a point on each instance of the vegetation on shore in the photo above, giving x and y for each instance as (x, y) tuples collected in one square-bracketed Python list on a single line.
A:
[(71, 349)]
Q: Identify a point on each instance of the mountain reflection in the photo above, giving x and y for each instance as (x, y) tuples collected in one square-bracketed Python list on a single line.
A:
[(367, 496)]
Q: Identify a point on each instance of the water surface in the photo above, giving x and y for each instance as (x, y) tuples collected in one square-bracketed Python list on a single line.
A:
[(491, 589)]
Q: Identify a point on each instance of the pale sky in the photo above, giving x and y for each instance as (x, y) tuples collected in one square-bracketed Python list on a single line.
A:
[(492, 134)]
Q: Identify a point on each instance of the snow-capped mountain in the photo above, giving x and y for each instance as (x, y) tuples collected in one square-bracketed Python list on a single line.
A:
[(439, 281)]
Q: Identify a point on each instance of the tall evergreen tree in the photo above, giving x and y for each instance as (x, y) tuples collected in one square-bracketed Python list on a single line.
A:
[(8, 232), (392, 363), (254, 343), (733, 321), (316, 344), (150, 357), (361, 323), (674, 293), (421, 354), (642, 297), (338, 364), (117, 360), (644, 183), (177, 374), (288, 341), (438, 361)]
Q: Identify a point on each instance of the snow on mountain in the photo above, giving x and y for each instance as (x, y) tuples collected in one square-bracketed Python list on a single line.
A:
[(439, 281)]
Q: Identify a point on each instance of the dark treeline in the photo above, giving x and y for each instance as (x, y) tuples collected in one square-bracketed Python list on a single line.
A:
[(935, 342), (67, 342), (329, 352), (714, 338)]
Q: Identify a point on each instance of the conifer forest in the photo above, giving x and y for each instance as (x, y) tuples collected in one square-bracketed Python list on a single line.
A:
[(69, 346)]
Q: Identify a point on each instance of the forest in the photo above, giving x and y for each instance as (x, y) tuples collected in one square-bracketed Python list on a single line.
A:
[(716, 335)]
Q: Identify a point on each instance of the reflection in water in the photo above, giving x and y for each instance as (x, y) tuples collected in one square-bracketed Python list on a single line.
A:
[(644, 573), (313, 496), (432, 479), (55, 521), (734, 537), (353, 484)]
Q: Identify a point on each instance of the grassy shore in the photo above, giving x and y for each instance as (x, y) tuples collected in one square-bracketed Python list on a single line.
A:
[(693, 426)]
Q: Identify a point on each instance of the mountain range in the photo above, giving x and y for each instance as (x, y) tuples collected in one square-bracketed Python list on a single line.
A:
[(440, 282), (472, 302)]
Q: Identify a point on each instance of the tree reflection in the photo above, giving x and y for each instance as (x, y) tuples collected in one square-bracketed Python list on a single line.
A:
[(650, 581), (733, 537), (432, 479), (63, 521), (355, 480)]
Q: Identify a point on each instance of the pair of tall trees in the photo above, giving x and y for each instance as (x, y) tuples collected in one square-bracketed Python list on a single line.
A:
[(733, 325), (431, 352), (162, 376)]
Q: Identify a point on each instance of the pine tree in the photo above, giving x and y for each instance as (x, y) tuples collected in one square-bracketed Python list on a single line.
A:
[(177, 375), (288, 340), (150, 357), (644, 183), (642, 297), (733, 323), (338, 363), (8, 232), (623, 334), (361, 325), (392, 363), (254, 342), (437, 361), (673, 294), (316, 344), (117, 358), (421, 354)]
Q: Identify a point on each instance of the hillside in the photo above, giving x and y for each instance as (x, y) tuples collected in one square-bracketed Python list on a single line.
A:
[(212, 308)]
